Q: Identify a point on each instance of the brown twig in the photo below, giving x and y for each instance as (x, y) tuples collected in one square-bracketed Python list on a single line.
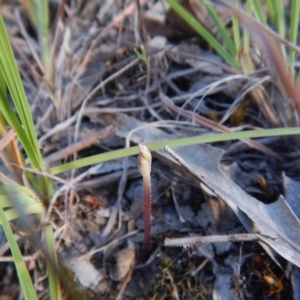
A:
[(144, 166), (80, 145)]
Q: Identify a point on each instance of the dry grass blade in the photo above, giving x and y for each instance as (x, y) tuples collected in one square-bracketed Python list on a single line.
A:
[(120, 17), (7, 139), (215, 126), (70, 150), (27, 39)]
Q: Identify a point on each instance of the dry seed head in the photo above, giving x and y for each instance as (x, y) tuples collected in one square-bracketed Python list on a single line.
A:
[(144, 160)]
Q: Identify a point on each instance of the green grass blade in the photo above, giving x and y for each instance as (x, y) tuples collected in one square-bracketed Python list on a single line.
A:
[(9, 114), (3, 91), (280, 19), (11, 118), (52, 265), (23, 200), (34, 209), (42, 17), (23, 275), (39, 13), (26, 203), (272, 12), (245, 58), (221, 29), (258, 11), (294, 25), (95, 159), (45, 186), (14, 189), (193, 22), (246, 37), (31, 7), (236, 32)]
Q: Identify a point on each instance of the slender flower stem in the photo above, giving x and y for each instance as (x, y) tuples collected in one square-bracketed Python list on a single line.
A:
[(144, 166)]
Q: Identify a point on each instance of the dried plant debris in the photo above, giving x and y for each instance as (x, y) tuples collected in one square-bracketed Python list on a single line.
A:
[(124, 262), (221, 206), (256, 173), (127, 64), (86, 274)]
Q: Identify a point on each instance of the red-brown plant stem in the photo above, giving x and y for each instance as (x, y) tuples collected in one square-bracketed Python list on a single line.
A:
[(144, 166), (147, 212)]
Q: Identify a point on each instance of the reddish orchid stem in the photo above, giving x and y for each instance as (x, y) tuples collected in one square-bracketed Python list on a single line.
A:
[(144, 166), (147, 212)]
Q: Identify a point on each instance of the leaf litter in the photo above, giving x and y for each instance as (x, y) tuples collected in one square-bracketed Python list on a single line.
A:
[(99, 82)]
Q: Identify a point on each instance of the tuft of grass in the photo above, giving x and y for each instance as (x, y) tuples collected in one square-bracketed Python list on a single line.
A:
[(269, 17), (19, 201), (275, 14), (22, 123), (211, 40)]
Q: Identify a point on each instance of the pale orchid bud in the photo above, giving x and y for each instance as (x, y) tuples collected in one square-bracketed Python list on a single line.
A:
[(144, 160)]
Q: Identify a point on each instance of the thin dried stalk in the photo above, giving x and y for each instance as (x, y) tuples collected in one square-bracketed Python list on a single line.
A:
[(193, 240), (86, 143)]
